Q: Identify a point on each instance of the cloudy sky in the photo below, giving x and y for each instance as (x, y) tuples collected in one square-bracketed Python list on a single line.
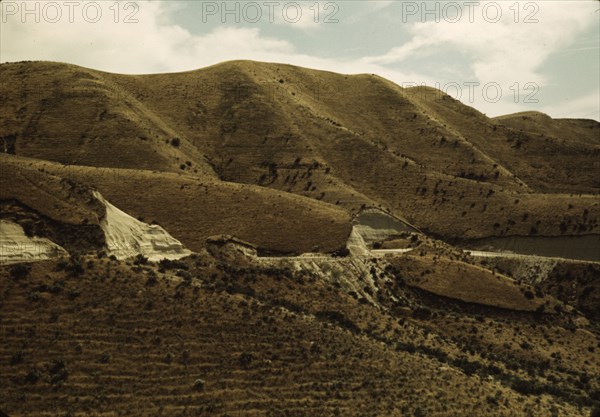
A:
[(500, 57)]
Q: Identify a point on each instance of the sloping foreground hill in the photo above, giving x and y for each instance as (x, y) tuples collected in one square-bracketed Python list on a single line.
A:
[(347, 140), (204, 338), (468, 283), (50, 206), (187, 207)]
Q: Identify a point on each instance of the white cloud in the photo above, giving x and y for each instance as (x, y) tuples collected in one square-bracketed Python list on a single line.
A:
[(154, 44), (507, 52), (586, 107), (502, 52)]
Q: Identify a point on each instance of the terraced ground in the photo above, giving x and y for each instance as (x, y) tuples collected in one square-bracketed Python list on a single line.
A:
[(211, 337), (282, 180)]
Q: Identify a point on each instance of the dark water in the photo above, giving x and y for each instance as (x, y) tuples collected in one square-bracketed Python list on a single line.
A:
[(379, 220), (585, 247)]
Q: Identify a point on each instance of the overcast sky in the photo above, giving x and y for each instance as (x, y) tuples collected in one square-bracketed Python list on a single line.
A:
[(500, 57)]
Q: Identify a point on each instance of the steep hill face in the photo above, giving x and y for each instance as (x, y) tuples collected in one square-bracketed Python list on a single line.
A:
[(50, 206), (548, 155), (351, 141), (77, 116), (187, 207)]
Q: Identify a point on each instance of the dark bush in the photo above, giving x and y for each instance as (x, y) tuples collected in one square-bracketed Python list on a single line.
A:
[(151, 280), (199, 384), (73, 266), (175, 264), (525, 387), (245, 359), (58, 372), (342, 253), (175, 142), (32, 376), (16, 359), (422, 313), (406, 347), (338, 318), (468, 367), (20, 271), (140, 260)]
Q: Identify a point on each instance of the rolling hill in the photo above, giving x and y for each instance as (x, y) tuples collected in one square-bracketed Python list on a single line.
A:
[(352, 141), (260, 239)]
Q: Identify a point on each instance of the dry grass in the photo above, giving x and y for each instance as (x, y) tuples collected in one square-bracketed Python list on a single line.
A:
[(346, 140), (220, 333), (113, 340), (470, 283), (189, 208)]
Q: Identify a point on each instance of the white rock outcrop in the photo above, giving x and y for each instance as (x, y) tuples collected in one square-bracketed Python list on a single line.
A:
[(356, 244), (126, 237), (17, 247)]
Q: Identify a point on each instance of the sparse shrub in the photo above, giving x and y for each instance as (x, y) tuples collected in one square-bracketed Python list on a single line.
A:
[(563, 227), (525, 387), (20, 271), (73, 267), (151, 280), (32, 376), (175, 142), (468, 367), (58, 372), (173, 264), (338, 318), (245, 359), (184, 274), (16, 359), (341, 253), (406, 347), (140, 260), (73, 294), (422, 313), (104, 358), (492, 400), (199, 384)]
